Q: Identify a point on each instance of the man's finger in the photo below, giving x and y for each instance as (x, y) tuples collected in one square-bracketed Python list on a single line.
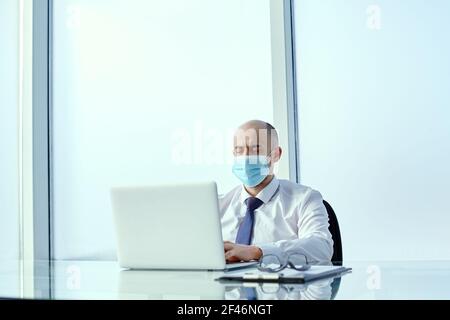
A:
[(230, 256), (228, 246)]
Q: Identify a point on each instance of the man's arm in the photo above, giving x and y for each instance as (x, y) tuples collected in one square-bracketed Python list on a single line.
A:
[(314, 239)]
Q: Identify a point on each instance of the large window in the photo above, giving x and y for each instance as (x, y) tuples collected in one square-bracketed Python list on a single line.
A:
[(9, 146), (375, 122), (148, 92)]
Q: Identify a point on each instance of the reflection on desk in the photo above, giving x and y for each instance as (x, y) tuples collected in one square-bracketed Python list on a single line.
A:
[(201, 285), (105, 280), (325, 289), (170, 285)]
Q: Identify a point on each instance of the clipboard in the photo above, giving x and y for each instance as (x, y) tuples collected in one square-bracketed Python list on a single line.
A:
[(286, 275)]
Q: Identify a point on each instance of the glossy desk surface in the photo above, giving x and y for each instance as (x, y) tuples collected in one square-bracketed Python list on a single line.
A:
[(105, 280)]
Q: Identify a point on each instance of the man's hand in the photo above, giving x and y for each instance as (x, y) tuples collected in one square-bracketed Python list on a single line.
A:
[(238, 252)]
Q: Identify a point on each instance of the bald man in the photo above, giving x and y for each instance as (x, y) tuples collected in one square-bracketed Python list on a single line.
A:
[(266, 215)]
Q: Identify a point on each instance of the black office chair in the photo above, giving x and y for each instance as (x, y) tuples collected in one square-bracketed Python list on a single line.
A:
[(335, 234)]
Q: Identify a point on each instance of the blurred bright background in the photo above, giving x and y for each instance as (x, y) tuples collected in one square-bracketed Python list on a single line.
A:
[(374, 105), (149, 92)]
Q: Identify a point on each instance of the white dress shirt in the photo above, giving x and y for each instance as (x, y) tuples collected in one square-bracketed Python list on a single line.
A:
[(316, 290), (292, 218)]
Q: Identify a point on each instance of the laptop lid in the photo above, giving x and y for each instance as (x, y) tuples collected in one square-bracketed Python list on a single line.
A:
[(168, 227)]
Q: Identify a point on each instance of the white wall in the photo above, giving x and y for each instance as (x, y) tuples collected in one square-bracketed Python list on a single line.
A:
[(148, 92), (374, 104), (9, 188), (9, 84)]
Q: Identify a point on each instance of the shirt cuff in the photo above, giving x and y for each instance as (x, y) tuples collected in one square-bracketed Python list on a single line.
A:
[(271, 248)]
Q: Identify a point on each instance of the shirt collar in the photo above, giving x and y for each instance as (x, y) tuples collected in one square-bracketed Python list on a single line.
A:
[(265, 194)]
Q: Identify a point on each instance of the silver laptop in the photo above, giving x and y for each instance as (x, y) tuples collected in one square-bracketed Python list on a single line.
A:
[(170, 227)]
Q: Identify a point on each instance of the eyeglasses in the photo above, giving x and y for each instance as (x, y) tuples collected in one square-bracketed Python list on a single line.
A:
[(273, 263)]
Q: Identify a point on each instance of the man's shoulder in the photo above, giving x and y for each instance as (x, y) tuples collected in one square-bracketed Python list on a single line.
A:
[(297, 190), (293, 186), (225, 198)]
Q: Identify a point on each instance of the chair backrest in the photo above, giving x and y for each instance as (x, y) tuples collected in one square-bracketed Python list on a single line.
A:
[(336, 235)]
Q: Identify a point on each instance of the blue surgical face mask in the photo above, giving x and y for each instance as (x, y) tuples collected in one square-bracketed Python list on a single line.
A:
[(251, 170)]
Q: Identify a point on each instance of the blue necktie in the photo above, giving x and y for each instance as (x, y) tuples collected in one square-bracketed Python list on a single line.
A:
[(245, 232), (250, 293)]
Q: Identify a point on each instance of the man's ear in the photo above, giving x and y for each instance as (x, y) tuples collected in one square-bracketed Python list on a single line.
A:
[(277, 154)]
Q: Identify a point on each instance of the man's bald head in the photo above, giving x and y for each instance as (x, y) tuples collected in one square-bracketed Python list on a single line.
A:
[(259, 137)]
